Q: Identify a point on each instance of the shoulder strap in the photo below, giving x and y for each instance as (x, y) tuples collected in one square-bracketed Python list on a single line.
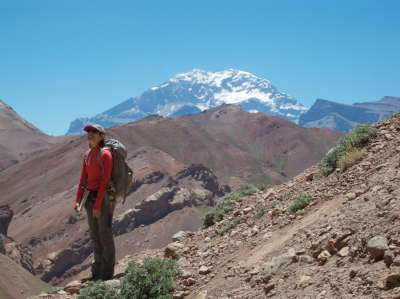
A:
[(100, 152), (87, 155)]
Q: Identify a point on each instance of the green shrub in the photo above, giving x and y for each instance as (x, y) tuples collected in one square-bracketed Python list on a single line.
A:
[(53, 290), (226, 204), (275, 203), (98, 289), (152, 279), (392, 115), (261, 212), (351, 158), (288, 197), (358, 137), (246, 190), (263, 187), (300, 203), (230, 225), (263, 209), (216, 214)]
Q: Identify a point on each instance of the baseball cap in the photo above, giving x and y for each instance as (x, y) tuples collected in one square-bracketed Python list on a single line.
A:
[(97, 127)]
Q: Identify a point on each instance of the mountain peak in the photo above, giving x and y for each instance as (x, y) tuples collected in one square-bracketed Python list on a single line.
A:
[(198, 90)]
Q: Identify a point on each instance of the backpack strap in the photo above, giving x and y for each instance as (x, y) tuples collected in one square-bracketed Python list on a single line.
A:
[(100, 152), (87, 156)]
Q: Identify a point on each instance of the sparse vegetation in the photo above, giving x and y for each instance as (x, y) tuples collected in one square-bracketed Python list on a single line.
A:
[(288, 196), (223, 206), (263, 187), (358, 137), (98, 289), (351, 158), (275, 203), (231, 225), (300, 203), (261, 212), (263, 209), (246, 190), (392, 115), (53, 290), (152, 279)]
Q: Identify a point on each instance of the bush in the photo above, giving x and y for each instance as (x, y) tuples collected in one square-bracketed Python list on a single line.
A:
[(53, 290), (153, 279), (231, 225), (98, 289), (216, 214), (261, 212), (263, 209), (246, 190), (263, 187), (358, 137), (300, 203), (351, 158), (288, 197), (275, 203), (225, 205)]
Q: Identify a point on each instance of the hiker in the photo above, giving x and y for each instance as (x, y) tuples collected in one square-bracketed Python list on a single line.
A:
[(96, 178)]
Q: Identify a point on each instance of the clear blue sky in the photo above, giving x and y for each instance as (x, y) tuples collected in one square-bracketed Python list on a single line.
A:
[(60, 60)]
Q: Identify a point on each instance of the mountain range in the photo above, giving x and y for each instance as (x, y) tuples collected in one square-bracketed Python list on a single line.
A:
[(182, 165), (196, 91), (342, 117)]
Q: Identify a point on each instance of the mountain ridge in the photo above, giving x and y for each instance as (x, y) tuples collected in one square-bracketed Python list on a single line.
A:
[(344, 117), (196, 91)]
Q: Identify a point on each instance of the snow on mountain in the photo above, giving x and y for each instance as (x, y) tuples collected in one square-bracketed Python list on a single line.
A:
[(196, 91)]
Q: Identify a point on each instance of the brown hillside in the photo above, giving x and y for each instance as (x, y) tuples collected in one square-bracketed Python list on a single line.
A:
[(344, 244), (20, 140), (10, 120), (16, 282), (172, 191), (270, 138), (41, 190)]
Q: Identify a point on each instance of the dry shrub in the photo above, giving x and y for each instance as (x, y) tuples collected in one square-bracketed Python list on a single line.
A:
[(351, 158)]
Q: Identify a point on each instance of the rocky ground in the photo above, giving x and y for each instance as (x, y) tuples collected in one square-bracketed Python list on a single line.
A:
[(344, 244)]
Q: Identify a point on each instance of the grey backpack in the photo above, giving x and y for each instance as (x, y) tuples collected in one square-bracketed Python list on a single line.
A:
[(121, 174)]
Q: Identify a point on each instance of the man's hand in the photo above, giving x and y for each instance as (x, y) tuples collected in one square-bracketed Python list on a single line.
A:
[(76, 207), (96, 214)]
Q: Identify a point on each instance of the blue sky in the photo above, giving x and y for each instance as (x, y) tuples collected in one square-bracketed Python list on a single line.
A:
[(60, 60)]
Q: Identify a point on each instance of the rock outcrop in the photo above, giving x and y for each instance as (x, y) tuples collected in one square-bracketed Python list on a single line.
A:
[(6, 215), (194, 185)]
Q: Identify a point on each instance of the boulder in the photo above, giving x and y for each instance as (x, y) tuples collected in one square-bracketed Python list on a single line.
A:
[(74, 287), (204, 270), (303, 280), (344, 252), (323, 257), (171, 249), (180, 236), (281, 262), (388, 257), (377, 247)]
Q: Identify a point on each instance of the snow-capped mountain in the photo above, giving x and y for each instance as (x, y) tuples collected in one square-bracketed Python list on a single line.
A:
[(196, 91)]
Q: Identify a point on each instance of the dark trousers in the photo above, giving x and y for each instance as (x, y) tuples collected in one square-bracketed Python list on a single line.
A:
[(102, 241)]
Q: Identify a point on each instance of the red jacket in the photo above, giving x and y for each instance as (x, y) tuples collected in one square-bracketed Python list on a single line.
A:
[(98, 177)]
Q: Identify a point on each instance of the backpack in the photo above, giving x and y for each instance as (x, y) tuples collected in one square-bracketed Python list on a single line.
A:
[(121, 174)]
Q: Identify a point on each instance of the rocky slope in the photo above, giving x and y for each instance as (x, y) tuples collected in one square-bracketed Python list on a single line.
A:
[(344, 244), (164, 154), (196, 91), (342, 117)]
